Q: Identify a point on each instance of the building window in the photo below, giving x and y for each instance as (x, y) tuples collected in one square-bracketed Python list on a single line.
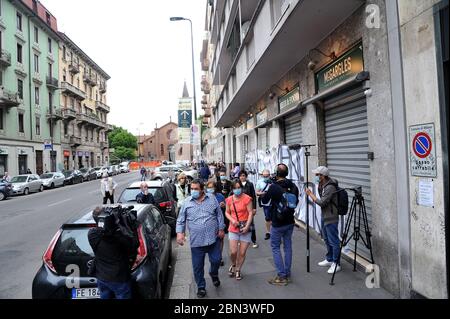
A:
[(162, 149), (20, 88), (19, 53), (48, 18), (36, 63), (36, 35), (50, 70), (278, 8), (35, 7), (19, 21), (64, 53), (38, 126), (21, 126), (1, 120), (36, 95), (50, 45), (66, 129), (50, 100)]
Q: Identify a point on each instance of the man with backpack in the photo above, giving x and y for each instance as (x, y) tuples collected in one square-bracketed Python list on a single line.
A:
[(328, 191), (282, 198)]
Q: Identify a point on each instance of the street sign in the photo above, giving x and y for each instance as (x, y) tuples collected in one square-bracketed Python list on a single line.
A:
[(422, 151), (48, 145), (184, 118), (290, 99)]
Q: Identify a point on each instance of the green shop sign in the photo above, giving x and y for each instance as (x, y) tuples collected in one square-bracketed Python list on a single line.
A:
[(289, 100), (348, 65)]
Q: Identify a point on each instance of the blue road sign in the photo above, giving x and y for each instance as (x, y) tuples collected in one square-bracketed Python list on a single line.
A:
[(184, 118)]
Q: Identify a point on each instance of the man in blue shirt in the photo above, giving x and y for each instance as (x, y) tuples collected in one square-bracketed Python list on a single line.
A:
[(203, 215)]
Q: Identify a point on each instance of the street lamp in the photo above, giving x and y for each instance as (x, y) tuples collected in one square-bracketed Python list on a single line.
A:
[(173, 19)]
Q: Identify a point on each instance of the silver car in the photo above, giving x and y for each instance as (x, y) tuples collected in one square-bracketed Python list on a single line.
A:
[(26, 184), (52, 180), (171, 172)]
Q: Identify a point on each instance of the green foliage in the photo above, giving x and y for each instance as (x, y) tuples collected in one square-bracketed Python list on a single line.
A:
[(120, 137), (125, 153)]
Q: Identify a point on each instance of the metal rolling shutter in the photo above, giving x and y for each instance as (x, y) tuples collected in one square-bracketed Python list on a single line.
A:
[(347, 144), (293, 130), (252, 142), (262, 139)]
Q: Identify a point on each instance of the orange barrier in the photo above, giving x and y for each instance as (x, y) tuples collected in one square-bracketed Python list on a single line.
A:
[(135, 166)]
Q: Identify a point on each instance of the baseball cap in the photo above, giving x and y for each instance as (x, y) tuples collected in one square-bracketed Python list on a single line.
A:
[(322, 170)]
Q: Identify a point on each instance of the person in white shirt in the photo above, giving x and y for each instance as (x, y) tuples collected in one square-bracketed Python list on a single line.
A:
[(108, 187), (7, 178)]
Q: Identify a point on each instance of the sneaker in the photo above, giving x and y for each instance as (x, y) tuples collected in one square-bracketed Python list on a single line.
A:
[(255, 245), (267, 236), (216, 282), (325, 263), (333, 267), (201, 293), (289, 279), (277, 281)]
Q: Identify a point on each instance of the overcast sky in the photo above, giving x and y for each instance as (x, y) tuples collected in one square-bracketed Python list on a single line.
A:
[(147, 56)]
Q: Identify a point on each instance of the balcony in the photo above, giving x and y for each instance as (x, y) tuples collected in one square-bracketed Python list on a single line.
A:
[(55, 115), (104, 146), (102, 107), (37, 78), (206, 88), (75, 141), (73, 91), (109, 128), (74, 67), (90, 79), (207, 113), (52, 83), (103, 88), (8, 98), (68, 114), (205, 121), (5, 58)]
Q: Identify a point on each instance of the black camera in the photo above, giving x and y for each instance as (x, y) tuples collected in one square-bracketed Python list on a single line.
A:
[(111, 217), (241, 226)]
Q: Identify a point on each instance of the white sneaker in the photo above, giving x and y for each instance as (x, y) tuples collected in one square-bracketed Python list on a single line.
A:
[(325, 263), (333, 266)]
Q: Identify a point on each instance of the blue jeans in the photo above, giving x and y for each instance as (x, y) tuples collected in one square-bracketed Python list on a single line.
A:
[(278, 234), (331, 236), (198, 262), (267, 214), (113, 290)]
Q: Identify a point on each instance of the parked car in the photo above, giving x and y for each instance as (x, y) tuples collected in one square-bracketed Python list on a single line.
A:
[(172, 171), (73, 177), (52, 180), (117, 168), (124, 167), (88, 174), (112, 171), (25, 184), (70, 247), (5, 189), (100, 170), (164, 197)]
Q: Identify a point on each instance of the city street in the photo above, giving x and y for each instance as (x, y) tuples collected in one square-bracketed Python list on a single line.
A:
[(28, 223)]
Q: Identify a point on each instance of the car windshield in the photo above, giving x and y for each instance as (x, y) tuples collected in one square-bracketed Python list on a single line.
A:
[(19, 179), (129, 195), (83, 170), (97, 168), (67, 173), (72, 248), (46, 176)]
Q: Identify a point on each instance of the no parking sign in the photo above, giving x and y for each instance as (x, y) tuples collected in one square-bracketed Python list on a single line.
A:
[(422, 151)]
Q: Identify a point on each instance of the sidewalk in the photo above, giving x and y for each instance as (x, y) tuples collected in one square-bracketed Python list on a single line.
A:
[(259, 267)]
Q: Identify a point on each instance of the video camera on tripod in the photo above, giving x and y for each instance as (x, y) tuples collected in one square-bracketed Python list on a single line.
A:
[(114, 218)]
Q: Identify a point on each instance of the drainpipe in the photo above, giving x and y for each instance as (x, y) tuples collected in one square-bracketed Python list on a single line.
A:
[(401, 149), (30, 78)]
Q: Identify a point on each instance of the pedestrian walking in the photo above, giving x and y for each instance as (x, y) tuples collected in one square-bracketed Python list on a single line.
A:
[(107, 188), (201, 213), (224, 185), (143, 172), (145, 197), (183, 190), (236, 171), (211, 188), (330, 218), (239, 212), (205, 173), (282, 218), (249, 189), (6, 177), (261, 189)]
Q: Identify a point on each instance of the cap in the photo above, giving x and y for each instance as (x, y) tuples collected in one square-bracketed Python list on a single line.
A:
[(322, 170)]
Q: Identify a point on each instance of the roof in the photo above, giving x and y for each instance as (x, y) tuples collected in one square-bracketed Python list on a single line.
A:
[(88, 219), (185, 91)]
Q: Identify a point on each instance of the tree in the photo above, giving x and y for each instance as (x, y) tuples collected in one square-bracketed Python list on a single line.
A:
[(125, 153), (124, 143)]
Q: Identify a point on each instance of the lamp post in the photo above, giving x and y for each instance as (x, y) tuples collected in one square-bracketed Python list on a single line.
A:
[(173, 19)]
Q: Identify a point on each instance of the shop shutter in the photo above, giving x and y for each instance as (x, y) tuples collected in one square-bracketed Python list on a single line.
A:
[(293, 129), (347, 146)]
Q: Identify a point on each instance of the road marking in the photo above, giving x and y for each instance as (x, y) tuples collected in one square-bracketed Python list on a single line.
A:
[(61, 202)]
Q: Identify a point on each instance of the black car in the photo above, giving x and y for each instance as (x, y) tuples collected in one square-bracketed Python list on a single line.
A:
[(5, 189), (70, 248), (89, 174), (164, 197), (73, 177)]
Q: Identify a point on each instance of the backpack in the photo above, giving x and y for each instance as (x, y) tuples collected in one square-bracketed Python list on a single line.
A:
[(286, 207), (342, 201)]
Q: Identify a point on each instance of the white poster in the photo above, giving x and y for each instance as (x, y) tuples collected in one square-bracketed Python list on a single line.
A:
[(425, 194)]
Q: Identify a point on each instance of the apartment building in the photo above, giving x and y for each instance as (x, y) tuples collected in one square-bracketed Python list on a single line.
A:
[(364, 82), (29, 106), (84, 108)]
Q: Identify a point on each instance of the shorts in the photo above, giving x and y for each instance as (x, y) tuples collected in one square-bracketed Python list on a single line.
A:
[(267, 214), (246, 238)]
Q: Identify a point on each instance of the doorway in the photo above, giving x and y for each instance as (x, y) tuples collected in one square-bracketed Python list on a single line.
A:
[(39, 163)]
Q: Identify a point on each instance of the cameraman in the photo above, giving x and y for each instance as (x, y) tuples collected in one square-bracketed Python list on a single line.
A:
[(112, 256)]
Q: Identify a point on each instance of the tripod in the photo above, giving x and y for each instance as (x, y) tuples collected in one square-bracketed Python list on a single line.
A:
[(357, 213)]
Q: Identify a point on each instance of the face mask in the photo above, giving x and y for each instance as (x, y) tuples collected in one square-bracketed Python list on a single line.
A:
[(317, 180), (266, 179), (223, 178), (195, 194), (210, 190), (237, 192)]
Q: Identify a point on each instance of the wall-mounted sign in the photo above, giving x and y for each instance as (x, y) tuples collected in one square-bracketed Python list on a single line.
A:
[(289, 100), (80, 154), (348, 65), (261, 117), (48, 145), (86, 154), (184, 135), (3, 151), (422, 151), (425, 194), (251, 124)]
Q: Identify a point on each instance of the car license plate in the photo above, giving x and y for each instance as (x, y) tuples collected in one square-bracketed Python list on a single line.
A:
[(86, 293)]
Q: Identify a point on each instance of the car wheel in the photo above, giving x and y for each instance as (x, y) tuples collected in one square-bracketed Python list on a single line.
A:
[(41, 188), (2, 196), (26, 191), (52, 186)]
